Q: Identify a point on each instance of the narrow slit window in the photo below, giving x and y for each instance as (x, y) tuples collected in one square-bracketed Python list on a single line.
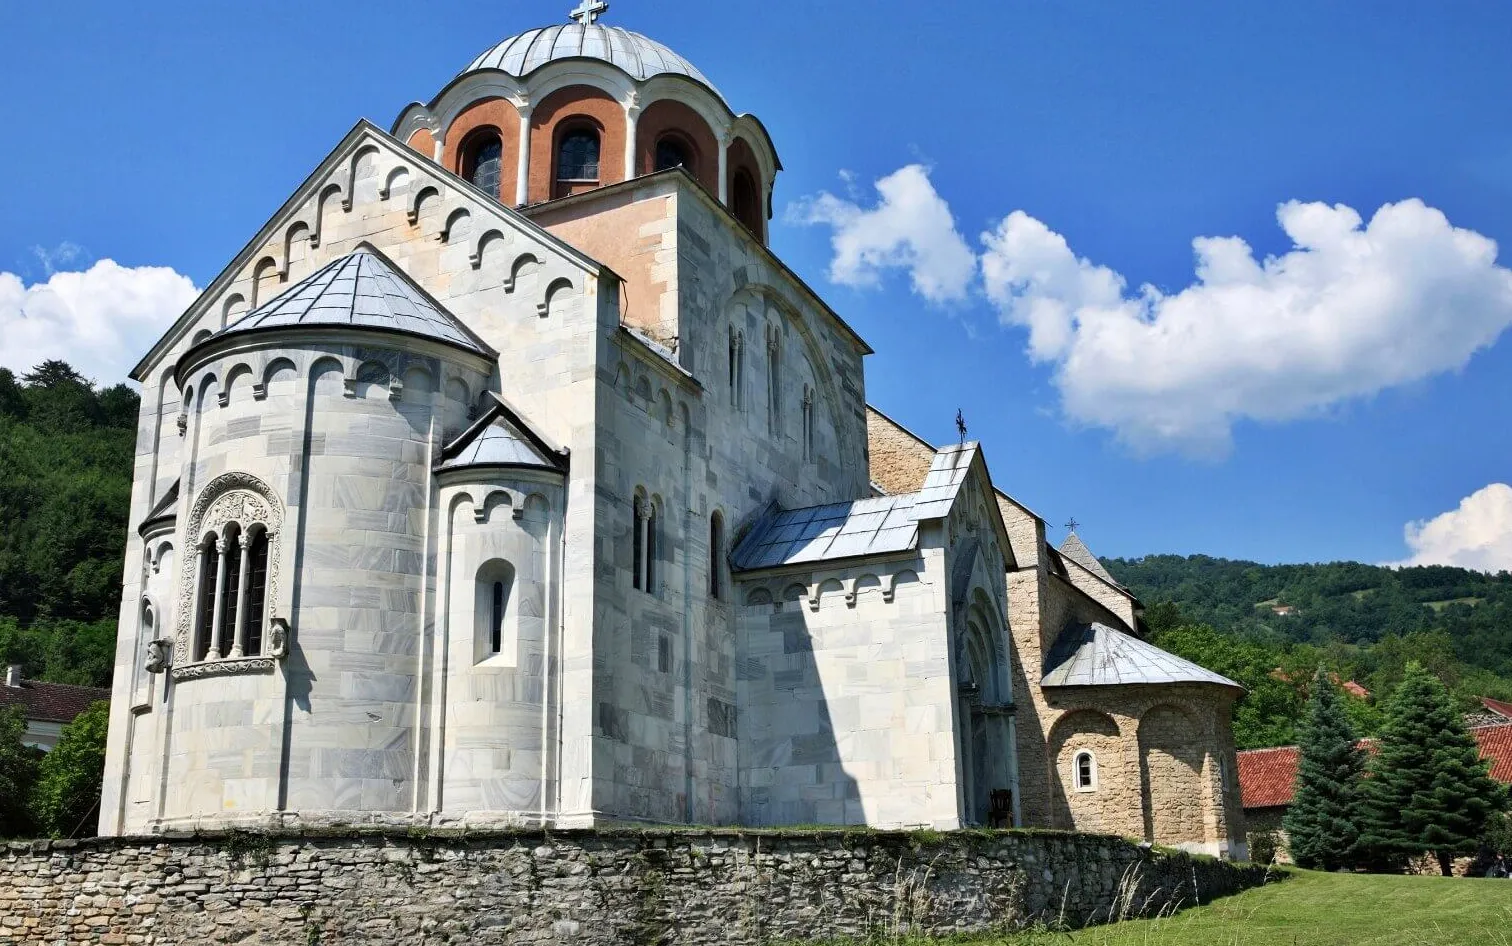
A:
[(638, 539), (651, 543), (257, 593), (716, 556), (496, 619), (206, 616)]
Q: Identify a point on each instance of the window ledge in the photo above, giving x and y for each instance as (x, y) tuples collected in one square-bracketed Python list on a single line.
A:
[(225, 667)]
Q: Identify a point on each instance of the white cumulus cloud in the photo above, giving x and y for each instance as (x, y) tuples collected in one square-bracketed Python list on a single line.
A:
[(1477, 534), (100, 320), (911, 227), (1353, 308)]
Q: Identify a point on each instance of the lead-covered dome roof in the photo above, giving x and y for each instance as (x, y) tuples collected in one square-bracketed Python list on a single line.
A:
[(639, 56)]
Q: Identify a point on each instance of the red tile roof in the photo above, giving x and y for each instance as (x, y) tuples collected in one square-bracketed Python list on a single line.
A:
[(1497, 707), (50, 702), (1267, 777)]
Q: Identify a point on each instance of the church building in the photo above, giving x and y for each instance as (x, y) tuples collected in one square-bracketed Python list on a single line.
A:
[(506, 478)]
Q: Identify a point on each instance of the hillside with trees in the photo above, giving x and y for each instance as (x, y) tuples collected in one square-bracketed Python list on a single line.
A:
[(66, 451), (1270, 626)]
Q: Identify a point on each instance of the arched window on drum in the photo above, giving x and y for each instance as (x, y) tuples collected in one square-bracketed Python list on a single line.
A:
[(482, 158)]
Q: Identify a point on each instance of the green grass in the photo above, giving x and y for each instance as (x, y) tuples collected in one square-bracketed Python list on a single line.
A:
[(1441, 605), (1311, 909)]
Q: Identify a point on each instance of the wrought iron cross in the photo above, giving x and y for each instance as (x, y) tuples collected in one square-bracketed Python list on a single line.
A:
[(961, 425), (1071, 524), (588, 11)]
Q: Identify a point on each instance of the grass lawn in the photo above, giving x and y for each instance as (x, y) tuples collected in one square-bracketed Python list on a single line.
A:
[(1312, 909)]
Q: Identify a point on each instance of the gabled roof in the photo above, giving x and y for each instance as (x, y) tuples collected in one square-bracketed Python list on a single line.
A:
[(501, 438), (360, 290), (1076, 550), (1268, 777), (165, 508), (877, 525), (362, 135), (1099, 655), (51, 702), (1501, 709)]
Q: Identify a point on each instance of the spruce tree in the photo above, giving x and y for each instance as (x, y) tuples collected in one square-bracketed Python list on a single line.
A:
[(1428, 788), (1322, 824)]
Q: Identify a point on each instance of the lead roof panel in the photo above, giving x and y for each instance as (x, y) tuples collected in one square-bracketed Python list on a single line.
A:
[(359, 290), (1098, 655)]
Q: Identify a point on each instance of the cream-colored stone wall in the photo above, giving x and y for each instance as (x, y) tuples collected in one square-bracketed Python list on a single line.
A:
[(846, 700)]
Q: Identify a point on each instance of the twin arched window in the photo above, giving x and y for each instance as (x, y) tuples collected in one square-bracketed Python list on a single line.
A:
[(644, 535), (578, 156), (233, 590), (482, 157)]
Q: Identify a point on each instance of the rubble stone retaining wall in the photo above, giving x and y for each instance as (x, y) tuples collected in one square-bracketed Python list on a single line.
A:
[(590, 887)]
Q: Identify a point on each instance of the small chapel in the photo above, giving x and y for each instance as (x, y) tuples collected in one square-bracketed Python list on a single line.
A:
[(506, 477)]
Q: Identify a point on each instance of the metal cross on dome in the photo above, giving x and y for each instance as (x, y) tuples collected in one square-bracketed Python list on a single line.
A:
[(588, 11)]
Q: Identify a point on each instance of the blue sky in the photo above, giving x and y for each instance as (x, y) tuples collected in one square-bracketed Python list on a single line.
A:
[(1304, 412)]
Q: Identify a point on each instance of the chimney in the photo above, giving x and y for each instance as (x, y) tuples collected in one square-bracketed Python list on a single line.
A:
[(13, 675)]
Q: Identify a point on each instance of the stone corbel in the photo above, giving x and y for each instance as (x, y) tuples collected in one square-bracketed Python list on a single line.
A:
[(349, 387), (183, 424), (159, 654), (813, 599), (396, 389), (278, 638), (259, 391), (223, 397)]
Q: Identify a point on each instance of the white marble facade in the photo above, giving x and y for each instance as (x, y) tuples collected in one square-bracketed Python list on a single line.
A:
[(451, 513)]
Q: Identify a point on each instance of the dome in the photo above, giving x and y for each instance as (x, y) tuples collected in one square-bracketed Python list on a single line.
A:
[(640, 57)]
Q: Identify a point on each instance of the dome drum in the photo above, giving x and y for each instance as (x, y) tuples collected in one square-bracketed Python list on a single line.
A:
[(561, 110)]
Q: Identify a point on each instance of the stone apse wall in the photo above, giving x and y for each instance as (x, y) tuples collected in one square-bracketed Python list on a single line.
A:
[(604, 887)]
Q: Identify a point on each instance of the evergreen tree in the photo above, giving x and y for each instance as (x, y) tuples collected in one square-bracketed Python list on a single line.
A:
[(18, 770), (1428, 788), (66, 799), (1323, 820)]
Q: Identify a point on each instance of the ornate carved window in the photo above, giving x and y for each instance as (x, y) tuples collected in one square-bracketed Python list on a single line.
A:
[(226, 589), (481, 160)]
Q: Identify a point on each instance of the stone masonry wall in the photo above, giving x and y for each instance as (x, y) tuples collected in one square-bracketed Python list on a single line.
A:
[(605, 887)]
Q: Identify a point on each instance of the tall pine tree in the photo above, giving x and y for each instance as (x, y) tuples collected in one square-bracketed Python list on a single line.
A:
[(1428, 789), (1322, 824)]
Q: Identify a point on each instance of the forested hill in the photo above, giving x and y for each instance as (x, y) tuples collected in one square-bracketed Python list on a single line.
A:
[(1270, 626), (65, 488), (1341, 601)]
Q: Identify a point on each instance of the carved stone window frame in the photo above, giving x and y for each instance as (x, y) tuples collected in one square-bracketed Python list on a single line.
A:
[(247, 502)]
